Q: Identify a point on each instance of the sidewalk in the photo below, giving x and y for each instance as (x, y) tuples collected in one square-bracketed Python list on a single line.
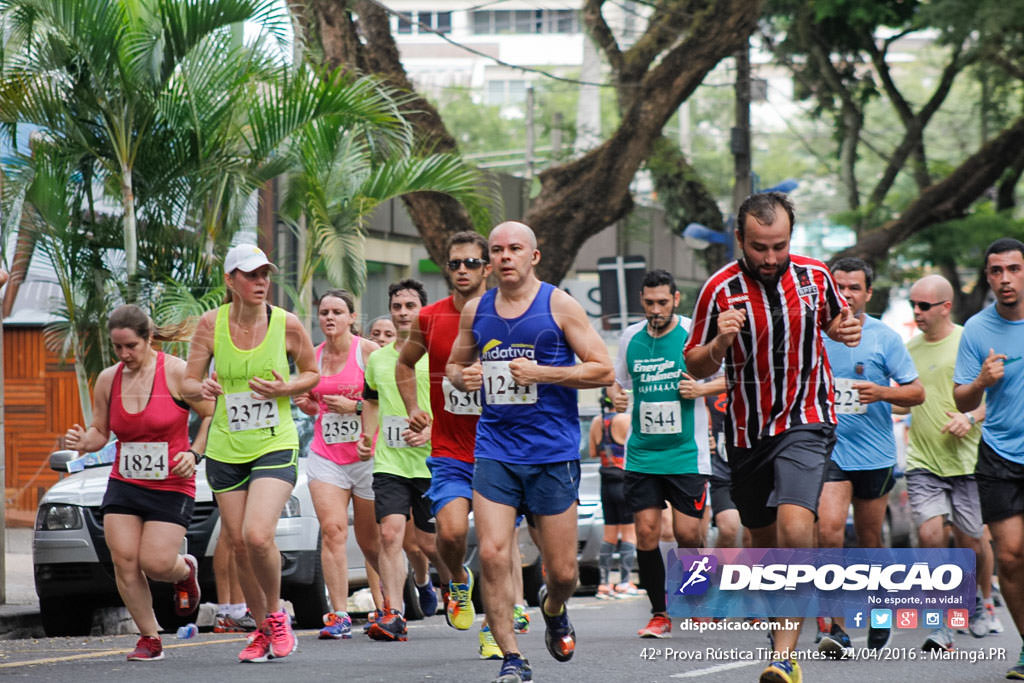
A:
[(19, 616)]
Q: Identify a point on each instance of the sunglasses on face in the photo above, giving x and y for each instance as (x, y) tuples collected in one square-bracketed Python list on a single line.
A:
[(925, 305), (470, 263)]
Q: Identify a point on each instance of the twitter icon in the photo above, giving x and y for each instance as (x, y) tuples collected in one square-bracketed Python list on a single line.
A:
[(881, 618)]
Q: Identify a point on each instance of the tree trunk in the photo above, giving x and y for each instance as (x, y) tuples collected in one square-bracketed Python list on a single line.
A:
[(580, 198)]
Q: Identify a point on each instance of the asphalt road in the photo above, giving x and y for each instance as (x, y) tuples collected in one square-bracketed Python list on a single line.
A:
[(607, 650)]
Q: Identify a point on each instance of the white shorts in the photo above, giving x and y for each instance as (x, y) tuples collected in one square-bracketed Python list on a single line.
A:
[(356, 477)]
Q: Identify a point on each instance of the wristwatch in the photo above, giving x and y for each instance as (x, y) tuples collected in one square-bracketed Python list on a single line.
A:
[(199, 456), (359, 407), (971, 418)]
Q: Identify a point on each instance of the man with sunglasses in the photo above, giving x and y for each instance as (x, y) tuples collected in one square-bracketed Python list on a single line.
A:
[(943, 450), (862, 463), (520, 343), (989, 367)]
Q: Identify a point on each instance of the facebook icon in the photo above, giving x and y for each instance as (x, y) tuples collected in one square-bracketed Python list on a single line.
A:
[(855, 619)]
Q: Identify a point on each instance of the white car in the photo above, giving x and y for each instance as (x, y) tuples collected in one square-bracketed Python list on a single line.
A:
[(74, 574)]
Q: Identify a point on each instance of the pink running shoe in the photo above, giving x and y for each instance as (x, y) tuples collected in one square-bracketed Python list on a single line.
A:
[(258, 649), (282, 638)]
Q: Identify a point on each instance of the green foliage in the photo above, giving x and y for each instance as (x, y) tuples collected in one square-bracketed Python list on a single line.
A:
[(963, 241)]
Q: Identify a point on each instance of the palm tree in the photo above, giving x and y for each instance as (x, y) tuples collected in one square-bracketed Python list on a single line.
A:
[(99, 75)]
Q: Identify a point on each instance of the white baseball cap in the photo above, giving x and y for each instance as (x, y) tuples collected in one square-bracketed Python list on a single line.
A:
[(246, 258)]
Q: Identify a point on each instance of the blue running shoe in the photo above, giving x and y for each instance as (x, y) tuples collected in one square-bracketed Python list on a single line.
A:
[(781, 671), (337, 625), (559, 635), (514, 669), (428, 599)]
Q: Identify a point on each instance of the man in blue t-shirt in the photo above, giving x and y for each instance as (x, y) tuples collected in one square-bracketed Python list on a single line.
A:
[(519, 343), (988, 365), (861, 467)]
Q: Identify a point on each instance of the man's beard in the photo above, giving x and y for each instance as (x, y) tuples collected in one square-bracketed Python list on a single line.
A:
[(652, 321), (767, 279)]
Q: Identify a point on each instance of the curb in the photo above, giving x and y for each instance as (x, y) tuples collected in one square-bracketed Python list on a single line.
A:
[(20, 621)]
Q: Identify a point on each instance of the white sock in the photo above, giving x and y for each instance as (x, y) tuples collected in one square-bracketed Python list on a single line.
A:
[(236, 611)]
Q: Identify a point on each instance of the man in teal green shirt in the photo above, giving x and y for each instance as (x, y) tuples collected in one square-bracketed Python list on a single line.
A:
[(668, 456)]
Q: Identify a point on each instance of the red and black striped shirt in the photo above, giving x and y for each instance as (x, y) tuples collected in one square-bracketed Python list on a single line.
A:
[(777, 371)]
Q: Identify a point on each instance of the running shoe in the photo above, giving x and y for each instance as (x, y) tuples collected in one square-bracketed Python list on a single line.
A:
[(1017, 672), (559, 635), (979, 625), (939, 639), (390, 626), (626, 590), (428, 599), (148, 649), (186, 591), (371, 618), (258, 649), (514, 669), (459, 611), (878, 637), (278, 626), (225, 623), (836, 644), (781, 671), (605, 591), (823, 629), (488, 646), (994, 625), (520, 619), (337, 625), (659, 626)]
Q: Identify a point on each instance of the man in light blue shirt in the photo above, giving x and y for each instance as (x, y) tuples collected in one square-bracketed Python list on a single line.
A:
[(861, 468), (989, 365)]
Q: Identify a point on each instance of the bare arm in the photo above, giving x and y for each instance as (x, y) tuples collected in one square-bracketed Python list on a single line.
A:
[(196, 385), (405, 377), (371, 408), (705, 360), (595, 368), (463, 370), (903, 395), (969, 396), (595, 435), (98, 433)]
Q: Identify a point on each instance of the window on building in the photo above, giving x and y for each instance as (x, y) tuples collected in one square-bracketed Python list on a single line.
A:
[(501, 93), (405, 22), (525, 21), (443, 23)]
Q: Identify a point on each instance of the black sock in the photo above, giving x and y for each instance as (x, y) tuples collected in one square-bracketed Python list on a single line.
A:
[(652, 577)]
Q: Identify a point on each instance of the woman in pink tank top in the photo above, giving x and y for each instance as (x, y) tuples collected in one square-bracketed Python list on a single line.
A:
[(151, 491), (336, 474)]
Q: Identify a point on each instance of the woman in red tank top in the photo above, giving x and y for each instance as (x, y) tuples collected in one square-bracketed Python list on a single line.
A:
[(148, 503)]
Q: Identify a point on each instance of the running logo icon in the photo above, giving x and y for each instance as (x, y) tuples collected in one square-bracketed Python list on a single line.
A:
[(697, 572)]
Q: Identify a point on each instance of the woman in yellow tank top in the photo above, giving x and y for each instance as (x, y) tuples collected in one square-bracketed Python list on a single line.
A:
[(252, 449)]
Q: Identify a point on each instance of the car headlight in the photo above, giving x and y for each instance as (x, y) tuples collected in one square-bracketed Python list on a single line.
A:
[(292, 508), (58, 517)]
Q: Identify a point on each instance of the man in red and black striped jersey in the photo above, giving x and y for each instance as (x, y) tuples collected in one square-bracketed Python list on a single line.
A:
[(763, 315)]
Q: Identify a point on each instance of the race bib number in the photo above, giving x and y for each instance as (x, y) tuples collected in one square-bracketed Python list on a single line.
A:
[(460, 402), (246, 412), (340, 428), (848, 398), (393, 426), (501, 389), (144, 460), (661, 417)]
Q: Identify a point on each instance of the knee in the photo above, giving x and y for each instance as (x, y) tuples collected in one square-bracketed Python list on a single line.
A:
[(334, 534), (158, 567), (1010, 560), (259, 540), (391, 536)]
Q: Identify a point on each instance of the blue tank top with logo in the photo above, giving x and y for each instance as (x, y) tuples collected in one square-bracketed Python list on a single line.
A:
[(524, 425)]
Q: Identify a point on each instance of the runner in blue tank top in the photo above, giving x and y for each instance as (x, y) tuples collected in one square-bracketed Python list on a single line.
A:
[(518, 344)]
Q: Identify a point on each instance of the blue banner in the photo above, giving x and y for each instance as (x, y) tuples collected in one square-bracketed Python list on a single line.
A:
[(869, 586)]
